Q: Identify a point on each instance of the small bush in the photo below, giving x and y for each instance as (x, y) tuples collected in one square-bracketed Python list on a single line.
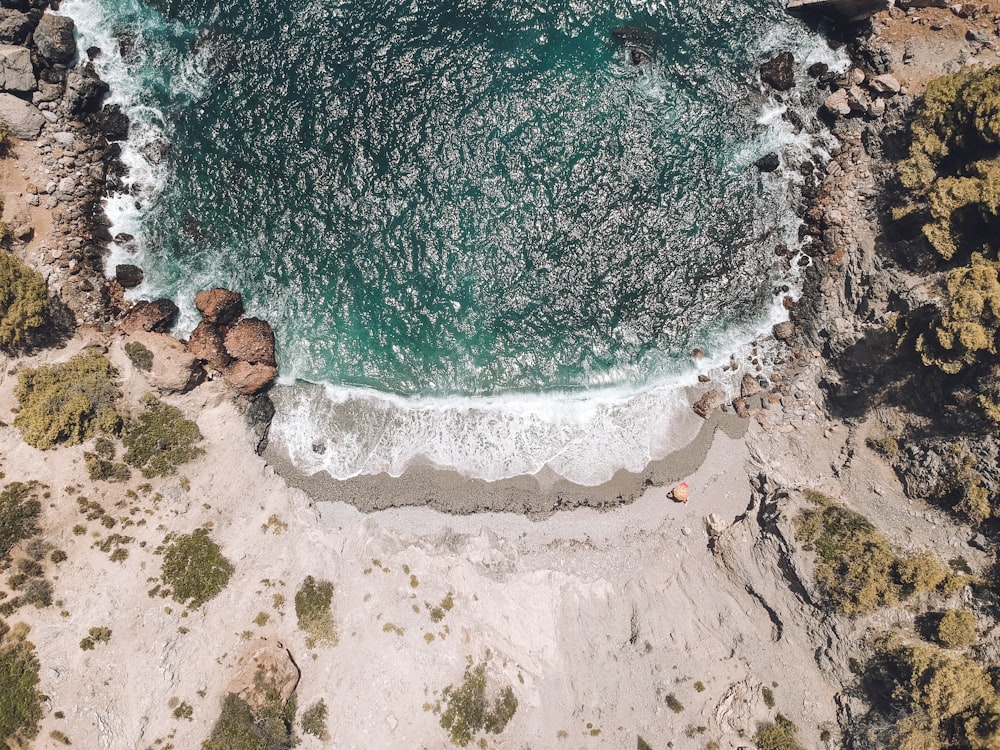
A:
[(313, 720), (468, 711), (768, 695), (195, 569), (312, 608), (957, 629), (24, 302), (68, 403), (778, 735), (20, 701), (674, 705), (19, 511), (102, 470), (142, 358), (161, 440)]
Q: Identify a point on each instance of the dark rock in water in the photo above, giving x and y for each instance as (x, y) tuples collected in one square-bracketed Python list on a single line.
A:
[(632, 35), (93, 53), (84, 90), (768, 162), (779, 72), (126, 46), (637, 56), (158, 315), (207, 344), (113, 123), (818, 70), (54, 38), (128, 275), (15, 26), (251, 340), (124, 238), (219, 306), (258, 417)]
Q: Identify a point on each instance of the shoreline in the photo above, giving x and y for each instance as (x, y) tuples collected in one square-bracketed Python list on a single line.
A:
[(535, 495)]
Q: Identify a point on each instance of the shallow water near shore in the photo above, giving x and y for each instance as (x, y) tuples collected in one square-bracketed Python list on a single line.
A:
[(490, 236)]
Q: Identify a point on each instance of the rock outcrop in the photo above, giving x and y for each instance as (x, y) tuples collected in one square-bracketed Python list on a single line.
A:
[(54, 38), (779, 72), (158, 315), (251, 340), (23, 120), (219, 306), (207, 344), (174, 370), (267, 667), (250, 379)]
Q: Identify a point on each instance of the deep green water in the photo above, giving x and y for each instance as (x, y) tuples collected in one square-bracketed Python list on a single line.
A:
[(458, 198)]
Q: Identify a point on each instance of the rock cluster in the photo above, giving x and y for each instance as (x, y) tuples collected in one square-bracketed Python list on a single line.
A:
[(241, 350)]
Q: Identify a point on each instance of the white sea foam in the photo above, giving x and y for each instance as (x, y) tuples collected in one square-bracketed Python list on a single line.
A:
[(583, 436)]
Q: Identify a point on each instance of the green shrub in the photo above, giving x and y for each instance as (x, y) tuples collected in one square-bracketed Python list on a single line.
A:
[(102, 470), (24, 302), (312, 608), (778, 735), (468, 711), (19, 511), (195, 569), (768, 696), (20, 701), (313, 720), (237, 728), (956, 629), (856, 569), (142, 358), (161, 439), (67, 403), (674, 705), (964, 329), (953, 168), (935, 698)]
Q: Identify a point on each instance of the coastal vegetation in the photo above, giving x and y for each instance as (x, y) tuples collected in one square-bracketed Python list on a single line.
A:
[(468, 710), (139, 355), (780, 734), (24, 302), (240, 728), (856, 569), (68, 403), (160, 439), (313, 720), (20, 701), (19, 511), (930, 697), (312, 608), (195, 569)]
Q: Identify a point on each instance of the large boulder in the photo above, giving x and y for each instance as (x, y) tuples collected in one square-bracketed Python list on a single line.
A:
[(54, 38), (710, 401), (14, 26), (84, 90), (265, 670), (219, 306), (837, 103), (128, 275), (113, 122), (884, 85), (251, 340), (250, 379), (779, 72), (784, 331), (22, 120), (749, 385), (207, 344), (158, 315), (16, 72), (174, 370)]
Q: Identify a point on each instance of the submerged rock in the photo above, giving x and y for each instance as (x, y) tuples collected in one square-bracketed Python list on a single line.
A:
[(779, 72), (219, 306), (768, 162), (128, 275)]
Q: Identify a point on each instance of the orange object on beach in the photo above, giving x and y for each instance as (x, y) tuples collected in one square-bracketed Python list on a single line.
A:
[(679, 494)]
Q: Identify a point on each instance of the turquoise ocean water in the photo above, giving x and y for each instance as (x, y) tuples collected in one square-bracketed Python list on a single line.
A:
[(487, 237)]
